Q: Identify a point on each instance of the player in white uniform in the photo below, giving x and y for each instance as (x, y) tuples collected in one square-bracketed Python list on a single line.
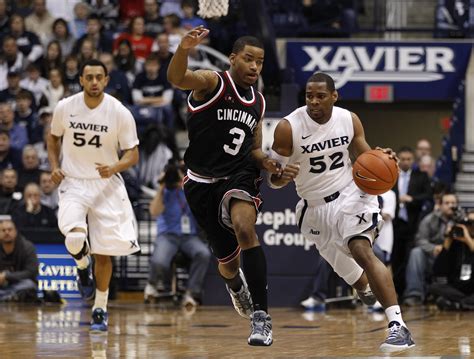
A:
[(312, 144), (88, 132)]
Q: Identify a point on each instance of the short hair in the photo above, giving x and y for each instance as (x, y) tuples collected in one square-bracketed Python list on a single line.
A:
[(448, 193), (242, 41), (322, 77), (92, 62), (406, 149), (4, 131), (153, 57), (24, 94)]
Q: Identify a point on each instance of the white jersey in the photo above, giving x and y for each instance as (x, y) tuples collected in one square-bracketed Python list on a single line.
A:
[(92, 136), (322, 152)]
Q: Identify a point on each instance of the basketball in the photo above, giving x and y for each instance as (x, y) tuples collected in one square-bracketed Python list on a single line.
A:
[(374, 172)]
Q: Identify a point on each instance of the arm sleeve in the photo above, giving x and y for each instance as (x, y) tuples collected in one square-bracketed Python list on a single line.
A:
[(128, 137), (57, 125), (29, 268)]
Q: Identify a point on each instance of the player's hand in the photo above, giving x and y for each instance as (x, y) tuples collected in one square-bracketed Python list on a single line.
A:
[(3, 278), (391, 153), (193, 37), (105, 171), (405, 198), (271, 166), (57, 175), (287, 175)]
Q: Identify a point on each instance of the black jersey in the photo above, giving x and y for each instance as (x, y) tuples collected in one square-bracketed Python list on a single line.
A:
[(221, 129)]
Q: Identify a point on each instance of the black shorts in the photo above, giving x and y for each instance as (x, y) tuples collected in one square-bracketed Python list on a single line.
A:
[(210, 204)]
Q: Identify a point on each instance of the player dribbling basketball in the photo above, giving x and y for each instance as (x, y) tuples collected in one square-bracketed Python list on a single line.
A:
[(312, 144)]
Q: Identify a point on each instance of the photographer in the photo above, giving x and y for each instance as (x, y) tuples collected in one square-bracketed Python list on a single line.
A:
[(452, 269), (429, 243), (177, 231)]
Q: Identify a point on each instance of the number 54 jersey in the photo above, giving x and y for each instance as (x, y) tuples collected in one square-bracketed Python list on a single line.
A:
[(221, 129), (92, 136), (322, 152)]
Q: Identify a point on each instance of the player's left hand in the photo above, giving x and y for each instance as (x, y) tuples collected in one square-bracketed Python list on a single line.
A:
[(391, 153), (272, 166), (105, 171)]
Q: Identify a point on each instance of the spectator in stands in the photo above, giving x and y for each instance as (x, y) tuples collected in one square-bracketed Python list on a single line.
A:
[(177, 231), (71, 75), (18, 133), (100, 42), (171, 7), (153, 20), (107, 12), (61, 34), (154, 155), (86, 52), (429, 244), (40, 21), (412, 190), (141, 44), (126, 62), (34, 82), (79, 23), (32, 214), (330, 17), (46, 116), (9, 157), (190, 20), (11, 59), (452, 269), (9, 94), (172, 26), (28, 42), (24, 8), (10, 197), (130, 9), (3, 16), (29, 172), (118, 82), (49, 191), (18, 265), (427, 164), (55, 89), (151, 89), (163, 51), (26, 115), (53, 58)]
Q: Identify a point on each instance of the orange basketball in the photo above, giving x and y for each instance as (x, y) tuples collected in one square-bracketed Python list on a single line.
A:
[(375, 172)]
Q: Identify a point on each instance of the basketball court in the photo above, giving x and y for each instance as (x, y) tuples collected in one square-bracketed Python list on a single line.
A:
[(138, 330)]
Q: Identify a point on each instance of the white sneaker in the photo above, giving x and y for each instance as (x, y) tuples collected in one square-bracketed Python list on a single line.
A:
[(242, 300), (150, 293), (188, 301), (311, 303)]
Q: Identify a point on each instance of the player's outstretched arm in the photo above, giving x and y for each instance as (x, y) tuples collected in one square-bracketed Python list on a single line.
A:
[(282, 149), (263, 161), (178, 73), (54, 149)]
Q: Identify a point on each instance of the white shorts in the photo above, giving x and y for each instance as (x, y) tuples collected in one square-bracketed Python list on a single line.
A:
[(331, 225), (102, 208)]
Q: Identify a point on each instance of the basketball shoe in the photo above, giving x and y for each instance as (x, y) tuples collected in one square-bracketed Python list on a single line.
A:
[(398, 339), (260, 329), (99, 322), (150, 293), (242, 299), (367, 296), (85, 281)]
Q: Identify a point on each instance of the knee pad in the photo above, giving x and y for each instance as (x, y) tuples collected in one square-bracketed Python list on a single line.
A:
[(76, 244)]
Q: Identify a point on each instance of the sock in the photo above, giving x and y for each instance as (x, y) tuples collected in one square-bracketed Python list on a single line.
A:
[(101, 300), (234, 283), (254, 266), (394, 314), (82, 263)]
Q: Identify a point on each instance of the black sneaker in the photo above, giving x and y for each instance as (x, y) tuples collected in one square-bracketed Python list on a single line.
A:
[(367, 296), (398, 339), (260, 329), (85, 282)]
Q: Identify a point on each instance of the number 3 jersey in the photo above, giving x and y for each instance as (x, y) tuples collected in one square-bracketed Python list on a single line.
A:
[(221, 129), (92, 136), (322, 152)]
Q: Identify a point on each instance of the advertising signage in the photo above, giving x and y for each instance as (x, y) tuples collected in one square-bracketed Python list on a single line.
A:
[(414, 70)]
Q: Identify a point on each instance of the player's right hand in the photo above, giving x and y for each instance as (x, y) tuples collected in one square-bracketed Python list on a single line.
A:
[(57, 175), (193, 37), (288, 174)]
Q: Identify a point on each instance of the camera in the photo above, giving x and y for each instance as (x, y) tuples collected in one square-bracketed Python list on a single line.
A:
[(459, 217), (173, 175)]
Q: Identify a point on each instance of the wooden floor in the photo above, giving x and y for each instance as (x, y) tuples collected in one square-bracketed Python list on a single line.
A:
[(137, 330)]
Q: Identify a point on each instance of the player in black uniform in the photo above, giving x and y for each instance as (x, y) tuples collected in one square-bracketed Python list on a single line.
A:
[(224, 160)]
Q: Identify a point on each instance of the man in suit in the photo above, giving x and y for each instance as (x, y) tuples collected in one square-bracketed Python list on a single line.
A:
[(412, 190)]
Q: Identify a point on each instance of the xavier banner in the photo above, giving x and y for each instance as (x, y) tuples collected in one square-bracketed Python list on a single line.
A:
[(415, 70)]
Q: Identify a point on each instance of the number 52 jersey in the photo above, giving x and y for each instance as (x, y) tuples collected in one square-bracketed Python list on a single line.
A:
[(221, 129), (92, 136)]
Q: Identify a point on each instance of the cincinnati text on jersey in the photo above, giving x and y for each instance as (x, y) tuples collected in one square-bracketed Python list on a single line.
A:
[(237, 115), (326, 144)]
